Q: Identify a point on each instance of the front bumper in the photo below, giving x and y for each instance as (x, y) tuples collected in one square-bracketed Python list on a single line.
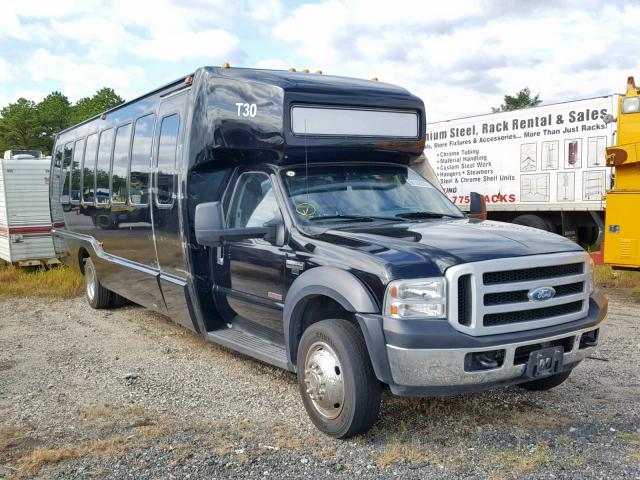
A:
[(428, 357)]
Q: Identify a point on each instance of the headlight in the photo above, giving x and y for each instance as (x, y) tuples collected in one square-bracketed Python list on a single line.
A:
[(423, 297), (631, 105)]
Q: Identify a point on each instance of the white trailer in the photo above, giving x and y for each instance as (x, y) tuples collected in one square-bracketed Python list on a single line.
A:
[(25, 220), (543, 166)]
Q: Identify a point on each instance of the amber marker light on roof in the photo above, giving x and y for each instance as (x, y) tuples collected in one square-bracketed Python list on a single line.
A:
[(226, 65), (188, 80), (292, 69)]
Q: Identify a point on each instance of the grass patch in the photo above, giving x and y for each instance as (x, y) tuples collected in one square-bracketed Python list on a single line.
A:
[(325, 453), (631, 437), (520, 462), (625, 280), (634, 455), (33, 462), (469, 412), (397, 453), (59, 282)]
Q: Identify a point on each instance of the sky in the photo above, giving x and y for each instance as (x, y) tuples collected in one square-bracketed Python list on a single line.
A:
[(460, 57)]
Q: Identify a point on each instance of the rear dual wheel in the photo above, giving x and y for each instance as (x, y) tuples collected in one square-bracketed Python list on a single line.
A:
[(534, 221), (338, 385), (97, 296)]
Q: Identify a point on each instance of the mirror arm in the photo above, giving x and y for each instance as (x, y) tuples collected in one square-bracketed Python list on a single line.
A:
[(244, 233)]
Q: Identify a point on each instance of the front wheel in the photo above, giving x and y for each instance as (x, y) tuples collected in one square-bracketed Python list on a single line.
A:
[(546, 383), (338, 385)]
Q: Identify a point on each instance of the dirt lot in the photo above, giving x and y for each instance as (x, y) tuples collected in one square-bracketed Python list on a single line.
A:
[(128, 394)]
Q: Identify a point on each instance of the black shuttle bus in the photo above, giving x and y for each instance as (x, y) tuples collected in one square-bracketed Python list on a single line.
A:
[(279, 214)]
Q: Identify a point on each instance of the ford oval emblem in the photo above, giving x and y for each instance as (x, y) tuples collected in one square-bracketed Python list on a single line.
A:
[(541, 293)]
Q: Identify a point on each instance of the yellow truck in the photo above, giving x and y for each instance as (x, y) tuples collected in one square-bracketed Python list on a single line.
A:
[(622, 230)]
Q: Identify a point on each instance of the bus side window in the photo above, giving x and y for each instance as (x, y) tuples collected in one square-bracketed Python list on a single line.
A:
[(57, 158), (56, 174), (75, 171), (167, 144), (103, 163), (66, 173), (88, 165), (141, 160), (55, 186), (120, 165)]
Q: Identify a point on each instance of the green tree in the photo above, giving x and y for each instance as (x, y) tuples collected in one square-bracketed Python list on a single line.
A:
[(19, 126), (88, 107), (522, 99), (54, 114), (25, 125)]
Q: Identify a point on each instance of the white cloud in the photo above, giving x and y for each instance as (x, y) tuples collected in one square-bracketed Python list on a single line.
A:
[(5, 70), (460, 57), (272, 64), (266, 10), (78, 78), (14, 14), (215, 44), (462, 60)]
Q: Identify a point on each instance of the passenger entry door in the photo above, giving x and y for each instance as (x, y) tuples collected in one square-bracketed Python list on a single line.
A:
[(167, 176), (252, 293)]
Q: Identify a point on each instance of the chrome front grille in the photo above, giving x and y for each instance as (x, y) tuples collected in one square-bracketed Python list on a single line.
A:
[(492, 297)]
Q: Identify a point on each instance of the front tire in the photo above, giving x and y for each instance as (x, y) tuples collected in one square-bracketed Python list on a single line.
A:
[(337, 383), (97, 296), (546, 383)]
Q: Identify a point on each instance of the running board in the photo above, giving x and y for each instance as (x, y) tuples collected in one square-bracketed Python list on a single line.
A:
[(250, 345)]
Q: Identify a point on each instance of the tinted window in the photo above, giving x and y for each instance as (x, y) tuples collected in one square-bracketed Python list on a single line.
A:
[(167, 159), (88, 165), (254, 203), (56, 185), (102, 166), (58, 157), (75, 170), (120, 164), (66, 167), (56, 180), (140, 160)]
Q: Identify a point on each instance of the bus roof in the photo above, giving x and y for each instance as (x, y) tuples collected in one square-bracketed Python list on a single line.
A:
[(285, 79)]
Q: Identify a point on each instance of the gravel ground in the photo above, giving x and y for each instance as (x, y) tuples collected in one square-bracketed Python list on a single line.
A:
[(128, 394)]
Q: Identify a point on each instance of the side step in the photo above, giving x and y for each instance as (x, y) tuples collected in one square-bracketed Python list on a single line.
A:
[(250, 345)]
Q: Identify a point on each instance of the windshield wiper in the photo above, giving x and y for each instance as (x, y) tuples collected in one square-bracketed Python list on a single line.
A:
[(411, 215), (353, 218)]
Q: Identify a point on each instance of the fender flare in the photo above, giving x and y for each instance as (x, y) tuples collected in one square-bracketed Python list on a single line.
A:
[(339, 285)]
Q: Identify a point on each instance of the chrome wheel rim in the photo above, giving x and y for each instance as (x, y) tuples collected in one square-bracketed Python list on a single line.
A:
[(323, 379), (90, 280)]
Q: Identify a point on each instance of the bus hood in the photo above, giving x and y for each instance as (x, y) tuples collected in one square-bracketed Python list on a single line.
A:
[(407, 248)]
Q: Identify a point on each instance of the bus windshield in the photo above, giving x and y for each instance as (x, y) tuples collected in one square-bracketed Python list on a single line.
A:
[(363, 193)]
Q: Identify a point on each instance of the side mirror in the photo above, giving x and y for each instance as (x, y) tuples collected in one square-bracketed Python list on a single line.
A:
[(209, 223), (478, 207), (211, 231), (276, 231)]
